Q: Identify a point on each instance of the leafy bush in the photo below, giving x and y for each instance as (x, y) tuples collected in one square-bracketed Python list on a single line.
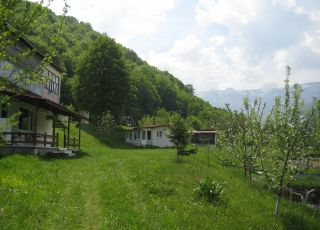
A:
[(210, 189)]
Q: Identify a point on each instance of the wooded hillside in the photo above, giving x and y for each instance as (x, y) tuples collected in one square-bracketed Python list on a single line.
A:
[(143, 88)]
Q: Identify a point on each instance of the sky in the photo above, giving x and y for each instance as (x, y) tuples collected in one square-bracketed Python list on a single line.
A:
[(214, 44)]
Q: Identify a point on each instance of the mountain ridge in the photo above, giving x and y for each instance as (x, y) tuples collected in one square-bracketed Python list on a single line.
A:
[(233, 97)]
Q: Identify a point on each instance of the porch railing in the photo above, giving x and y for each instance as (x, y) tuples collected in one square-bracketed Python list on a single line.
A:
[(39, 139), (73, 143), (31, 139)]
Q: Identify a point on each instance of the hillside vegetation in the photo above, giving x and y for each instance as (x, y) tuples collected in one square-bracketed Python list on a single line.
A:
[(120, 187), (106, 65)]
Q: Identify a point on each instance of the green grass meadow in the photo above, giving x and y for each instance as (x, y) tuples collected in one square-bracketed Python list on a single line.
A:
[(111, 185)]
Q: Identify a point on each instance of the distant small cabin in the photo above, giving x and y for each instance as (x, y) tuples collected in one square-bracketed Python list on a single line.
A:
[(204, 137), (152, 135)]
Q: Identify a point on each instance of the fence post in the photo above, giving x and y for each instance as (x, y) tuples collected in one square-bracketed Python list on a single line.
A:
[(64, 140), (45, 139), (12, 138), (57, 140), (74, 142)]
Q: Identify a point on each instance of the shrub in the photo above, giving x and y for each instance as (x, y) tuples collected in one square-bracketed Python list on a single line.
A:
[(209, 189)]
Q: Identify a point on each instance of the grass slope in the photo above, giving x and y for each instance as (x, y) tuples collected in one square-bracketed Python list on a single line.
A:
[(113, 186)]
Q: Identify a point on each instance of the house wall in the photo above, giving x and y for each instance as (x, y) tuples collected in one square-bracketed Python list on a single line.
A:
[(131, 140), (162, 141), (156, 140), (43, 125), (34, 61)]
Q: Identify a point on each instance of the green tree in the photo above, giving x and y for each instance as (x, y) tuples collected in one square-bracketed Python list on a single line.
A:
[(103, 81), (106, 122), (289, 128), (180, 135), (243, 142)]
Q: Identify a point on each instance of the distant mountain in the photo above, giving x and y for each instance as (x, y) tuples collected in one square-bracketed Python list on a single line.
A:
[(219, 98)]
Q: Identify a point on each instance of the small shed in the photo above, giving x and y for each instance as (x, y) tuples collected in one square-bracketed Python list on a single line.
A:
[(206, 136)]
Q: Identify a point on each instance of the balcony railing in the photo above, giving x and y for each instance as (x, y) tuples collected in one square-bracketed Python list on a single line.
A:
[(31, 139), (27, 139)]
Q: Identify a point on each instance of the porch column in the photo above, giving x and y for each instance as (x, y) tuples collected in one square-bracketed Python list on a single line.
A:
[(54, 132), (68, 137), (35, 126), (79, 141)]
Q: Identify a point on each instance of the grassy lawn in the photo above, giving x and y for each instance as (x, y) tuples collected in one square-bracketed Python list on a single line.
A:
[(113, 186)]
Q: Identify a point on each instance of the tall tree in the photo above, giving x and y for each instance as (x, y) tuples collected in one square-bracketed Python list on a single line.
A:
[(245, 137), (180, 135), (289, 128), (102, 78)]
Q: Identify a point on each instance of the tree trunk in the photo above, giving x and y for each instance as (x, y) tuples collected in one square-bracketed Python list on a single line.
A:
[(276, 209), (177, 155), (245, 174)]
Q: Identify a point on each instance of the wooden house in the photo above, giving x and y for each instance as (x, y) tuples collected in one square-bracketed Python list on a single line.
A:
[(40, 110)]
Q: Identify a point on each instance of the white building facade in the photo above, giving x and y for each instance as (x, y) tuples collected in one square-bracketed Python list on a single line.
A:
[(153, 135)]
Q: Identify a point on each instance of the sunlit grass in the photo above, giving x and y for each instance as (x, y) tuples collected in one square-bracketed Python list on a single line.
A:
[(114, 186)]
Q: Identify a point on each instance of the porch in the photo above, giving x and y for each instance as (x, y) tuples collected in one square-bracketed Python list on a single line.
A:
[(43, 127), (27, 139)]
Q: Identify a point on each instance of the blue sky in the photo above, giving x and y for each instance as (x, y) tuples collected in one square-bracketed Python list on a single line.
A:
[(214, 44)]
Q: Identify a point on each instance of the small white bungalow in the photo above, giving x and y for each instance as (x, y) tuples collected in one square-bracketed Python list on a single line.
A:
[(152, 135)]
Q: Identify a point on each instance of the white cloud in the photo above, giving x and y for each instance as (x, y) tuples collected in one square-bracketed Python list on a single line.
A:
[(226, 12), (207, 67), (280, 58), (313, 41), (299, 8), (218, 39), (123, 19)]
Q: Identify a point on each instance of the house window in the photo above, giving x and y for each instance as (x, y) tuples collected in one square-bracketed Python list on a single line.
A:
[(149, 135), (159, 134), (143, 135), (53, 82), (138, 135), (4, 111), (25, 119)]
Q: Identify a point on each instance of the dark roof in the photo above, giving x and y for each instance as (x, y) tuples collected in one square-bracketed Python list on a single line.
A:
[(39, 52), (150, 126), (46, 104), (203, 131)]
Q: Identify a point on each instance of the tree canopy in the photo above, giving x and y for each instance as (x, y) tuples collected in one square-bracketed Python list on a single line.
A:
[(103, 80)]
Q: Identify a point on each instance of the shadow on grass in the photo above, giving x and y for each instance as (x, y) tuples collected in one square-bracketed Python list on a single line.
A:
[(294, 219), (55, 156), (115, 139), (180, 160), (48, 156)]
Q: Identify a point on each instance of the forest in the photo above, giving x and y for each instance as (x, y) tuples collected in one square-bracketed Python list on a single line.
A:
[(122, 84)]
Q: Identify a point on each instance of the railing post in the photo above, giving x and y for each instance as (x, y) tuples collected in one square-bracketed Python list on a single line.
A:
[(64, 140), (34, 138), (45, 140), (12, 138), (57, 140)]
